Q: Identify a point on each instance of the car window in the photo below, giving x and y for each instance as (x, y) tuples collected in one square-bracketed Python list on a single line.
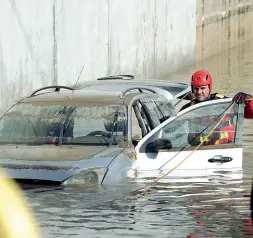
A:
[(136, 129), (190, 128), (87, 120), (29, 123), (167, 108), (157, 111), (32, 123), (141, 116)]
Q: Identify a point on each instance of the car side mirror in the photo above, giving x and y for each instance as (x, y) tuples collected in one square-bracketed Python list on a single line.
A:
[(159, 144)]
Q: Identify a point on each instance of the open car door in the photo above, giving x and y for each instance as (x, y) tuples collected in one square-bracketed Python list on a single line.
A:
[(171, 143)]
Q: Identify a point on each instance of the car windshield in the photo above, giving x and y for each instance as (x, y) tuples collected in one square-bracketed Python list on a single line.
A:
[(52, 123)]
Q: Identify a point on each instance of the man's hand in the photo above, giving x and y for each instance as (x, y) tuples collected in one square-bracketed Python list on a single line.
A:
[(242, 98)]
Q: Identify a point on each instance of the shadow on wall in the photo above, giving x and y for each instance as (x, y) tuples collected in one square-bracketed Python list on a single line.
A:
[(222, 25)]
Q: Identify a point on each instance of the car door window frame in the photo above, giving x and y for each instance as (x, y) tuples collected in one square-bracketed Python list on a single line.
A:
[(141, 114)]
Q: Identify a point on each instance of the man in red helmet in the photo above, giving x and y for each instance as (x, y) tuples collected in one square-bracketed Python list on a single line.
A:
[(202, 85)]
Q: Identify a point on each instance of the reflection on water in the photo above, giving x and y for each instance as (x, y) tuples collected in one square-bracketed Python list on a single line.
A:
[(215, 207)]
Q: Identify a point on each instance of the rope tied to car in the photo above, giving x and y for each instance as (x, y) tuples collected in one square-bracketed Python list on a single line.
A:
[(144, 188)]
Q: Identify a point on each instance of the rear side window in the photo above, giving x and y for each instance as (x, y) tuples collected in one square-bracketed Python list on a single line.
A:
[(157, 111), (136, 129)]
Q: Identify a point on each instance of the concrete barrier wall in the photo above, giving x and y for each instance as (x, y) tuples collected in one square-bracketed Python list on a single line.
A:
[(142, 38), (151, 38), (222, 25), (26, 47), (81, 29), (44, 42)]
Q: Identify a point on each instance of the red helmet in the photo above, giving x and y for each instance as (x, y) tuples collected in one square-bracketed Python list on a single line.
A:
[(202, 77)]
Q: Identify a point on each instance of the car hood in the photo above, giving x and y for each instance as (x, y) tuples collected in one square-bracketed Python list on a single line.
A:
[(53, 163)]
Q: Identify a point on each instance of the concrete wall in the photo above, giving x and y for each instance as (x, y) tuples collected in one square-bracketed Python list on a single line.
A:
[(148, 40), (26, 47), (222, 25), (44, 42)]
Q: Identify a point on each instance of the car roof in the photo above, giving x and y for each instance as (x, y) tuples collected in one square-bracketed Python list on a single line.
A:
[(121, 86), (174, 88), (65, 94)]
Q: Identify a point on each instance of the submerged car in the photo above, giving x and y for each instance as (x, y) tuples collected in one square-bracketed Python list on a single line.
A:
[(92, 135)]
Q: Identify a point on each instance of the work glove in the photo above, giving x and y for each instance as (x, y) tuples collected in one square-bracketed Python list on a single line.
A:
[(242, 98)]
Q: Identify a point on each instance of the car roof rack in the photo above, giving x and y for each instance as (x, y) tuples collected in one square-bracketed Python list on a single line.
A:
[(121, 76), (56, 87), (138, 88)]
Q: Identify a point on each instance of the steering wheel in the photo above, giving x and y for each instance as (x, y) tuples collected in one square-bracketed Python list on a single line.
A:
[(100, 133)]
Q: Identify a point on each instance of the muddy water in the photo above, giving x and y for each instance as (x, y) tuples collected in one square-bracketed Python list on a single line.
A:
[(216, 208)]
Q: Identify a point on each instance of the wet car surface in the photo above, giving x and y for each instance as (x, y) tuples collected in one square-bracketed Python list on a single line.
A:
[(77, 136), (103, 134)]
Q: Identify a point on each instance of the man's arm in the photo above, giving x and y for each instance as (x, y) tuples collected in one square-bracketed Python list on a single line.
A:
[(247, 100), (248, 111)]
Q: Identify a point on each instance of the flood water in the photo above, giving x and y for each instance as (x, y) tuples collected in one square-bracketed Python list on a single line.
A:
[(216, 208)]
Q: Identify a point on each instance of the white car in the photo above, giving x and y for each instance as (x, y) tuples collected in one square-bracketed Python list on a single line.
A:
[(183, 155)]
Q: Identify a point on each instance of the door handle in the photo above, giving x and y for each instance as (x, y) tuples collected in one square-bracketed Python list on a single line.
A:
[(220, 159)]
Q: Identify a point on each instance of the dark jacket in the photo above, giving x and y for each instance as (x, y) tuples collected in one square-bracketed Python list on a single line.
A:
[(211, 97)]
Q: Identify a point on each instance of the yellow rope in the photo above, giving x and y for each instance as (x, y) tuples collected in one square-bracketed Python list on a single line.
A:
[(158, 179), (16, 220)]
